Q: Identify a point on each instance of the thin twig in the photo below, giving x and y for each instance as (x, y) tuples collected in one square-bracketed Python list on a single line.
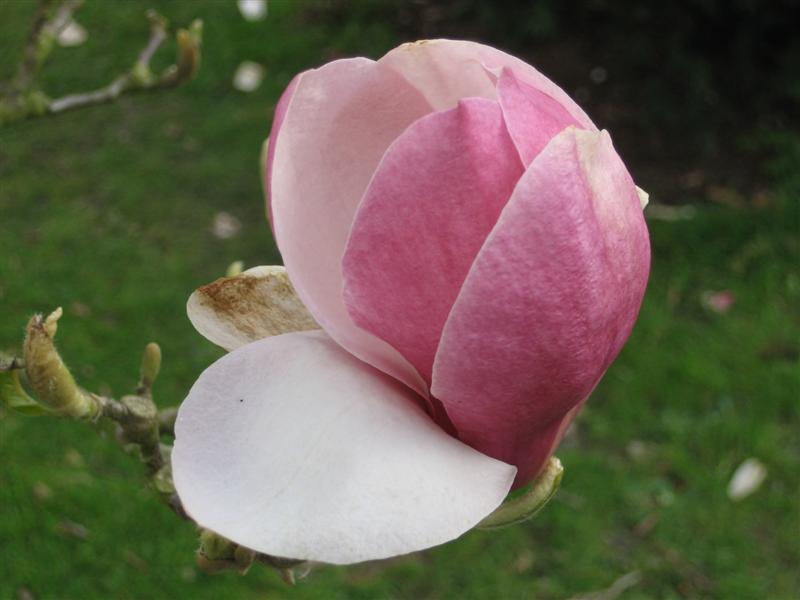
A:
[(43, 33), (139, 78), (63, 16), (101, 96), (158, 33), (30, 56), (25, 100)]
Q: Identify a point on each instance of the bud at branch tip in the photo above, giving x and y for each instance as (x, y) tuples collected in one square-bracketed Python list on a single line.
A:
[(49, 376), (151, 365)]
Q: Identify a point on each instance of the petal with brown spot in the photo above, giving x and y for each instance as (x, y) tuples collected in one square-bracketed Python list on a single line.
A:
[(257, 303)]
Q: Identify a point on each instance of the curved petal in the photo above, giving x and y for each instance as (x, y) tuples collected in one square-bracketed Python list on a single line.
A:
[(272, 139), (548, 303), (337, 126), (447, 70), (429, 207), (533, 117), (292, 447), (258, 303)]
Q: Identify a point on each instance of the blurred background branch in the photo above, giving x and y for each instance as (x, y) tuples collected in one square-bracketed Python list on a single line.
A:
[(23, 97)]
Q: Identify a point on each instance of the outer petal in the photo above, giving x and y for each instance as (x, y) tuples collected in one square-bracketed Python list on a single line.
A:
[(548, 304), (339, 122), (433, 200), (533, 117), (292, 447), (447, 70), (277, 122), (258, 303)]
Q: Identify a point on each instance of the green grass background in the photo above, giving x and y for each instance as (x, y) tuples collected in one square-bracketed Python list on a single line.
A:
[(107, 212)]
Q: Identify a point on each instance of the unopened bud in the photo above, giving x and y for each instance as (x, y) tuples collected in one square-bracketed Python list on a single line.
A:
[(49, 376), (151, 365)]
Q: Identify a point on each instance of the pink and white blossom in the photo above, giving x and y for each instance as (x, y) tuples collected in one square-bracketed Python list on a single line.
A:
[(474, 251)]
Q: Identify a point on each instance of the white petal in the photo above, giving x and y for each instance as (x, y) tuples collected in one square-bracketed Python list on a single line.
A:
[(258, 303), (293, 447), (248, 76), (253, 10), (747, 479), (225, 226), (644, 197), (73, 34)]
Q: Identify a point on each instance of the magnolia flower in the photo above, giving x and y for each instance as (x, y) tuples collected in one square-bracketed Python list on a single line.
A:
[(467, 255)]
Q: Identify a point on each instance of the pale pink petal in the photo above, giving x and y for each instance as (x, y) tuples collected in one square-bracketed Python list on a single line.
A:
[(533, 117), (447, 70), (277, 121), (433, 200), (337, 126), (548, 304), (258, 303), (292, 447)]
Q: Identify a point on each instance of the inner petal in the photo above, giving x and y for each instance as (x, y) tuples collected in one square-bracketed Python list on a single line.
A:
[(533, 117), (433, 200)]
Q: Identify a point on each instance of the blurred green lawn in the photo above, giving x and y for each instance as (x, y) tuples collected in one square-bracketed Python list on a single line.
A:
[(108, 213)]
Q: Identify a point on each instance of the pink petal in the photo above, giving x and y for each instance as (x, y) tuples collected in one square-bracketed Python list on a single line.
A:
[(719, 302), (446, 71), (292, 447), (339, 122), (272, 140), (548, 303), (433, 200), (533, 117)]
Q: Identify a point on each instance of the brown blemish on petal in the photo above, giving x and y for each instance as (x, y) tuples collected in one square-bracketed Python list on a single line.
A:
[(258, 303)]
